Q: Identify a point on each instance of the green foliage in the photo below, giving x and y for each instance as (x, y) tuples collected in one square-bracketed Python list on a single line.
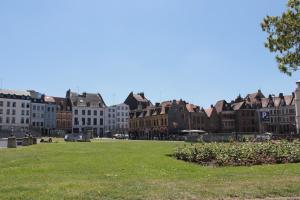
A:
[(284, 37), (240, 154)]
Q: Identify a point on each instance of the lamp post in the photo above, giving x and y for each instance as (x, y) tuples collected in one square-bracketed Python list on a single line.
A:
[(276, 110)]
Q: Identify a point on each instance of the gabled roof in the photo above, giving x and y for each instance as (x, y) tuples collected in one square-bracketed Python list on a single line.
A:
[(209, 112), (191, 107), (220, 105), (289, 100), (253, 97), (238, 106)]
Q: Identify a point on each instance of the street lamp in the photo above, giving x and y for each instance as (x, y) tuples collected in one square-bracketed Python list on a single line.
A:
[(276, 114)]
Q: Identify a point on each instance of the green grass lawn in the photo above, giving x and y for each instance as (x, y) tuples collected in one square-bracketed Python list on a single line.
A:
[(132, 170)]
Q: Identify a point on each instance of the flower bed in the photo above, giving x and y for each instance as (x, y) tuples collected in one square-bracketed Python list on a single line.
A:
[(240, 154)]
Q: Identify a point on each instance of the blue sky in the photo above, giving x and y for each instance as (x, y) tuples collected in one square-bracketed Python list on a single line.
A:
[(198, 50)]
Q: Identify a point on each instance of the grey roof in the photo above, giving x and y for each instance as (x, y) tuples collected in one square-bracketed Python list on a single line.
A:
[(14, 92), (87, 100)]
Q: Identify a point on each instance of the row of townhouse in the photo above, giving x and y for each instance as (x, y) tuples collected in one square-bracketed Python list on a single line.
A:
[(87, 112), (24, 111), (254, 113)]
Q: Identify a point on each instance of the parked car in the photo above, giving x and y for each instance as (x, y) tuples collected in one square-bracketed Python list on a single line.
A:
[(77, 138), (121, 136)]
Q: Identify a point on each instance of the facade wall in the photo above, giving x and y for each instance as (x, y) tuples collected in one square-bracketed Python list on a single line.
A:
[(282, 120), (50, 116), (117, 118), (14, 113), (88, 119), (247, 121), (228, 121), (38, 115)]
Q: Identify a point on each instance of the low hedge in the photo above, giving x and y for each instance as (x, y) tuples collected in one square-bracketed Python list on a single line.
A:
[(240, 154)]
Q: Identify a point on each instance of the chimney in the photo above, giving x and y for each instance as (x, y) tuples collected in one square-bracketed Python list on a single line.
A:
[(157, 104), (211, 106), (281, 95), (142, 95)]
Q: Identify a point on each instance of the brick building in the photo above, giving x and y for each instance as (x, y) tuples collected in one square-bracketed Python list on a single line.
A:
[(166, 119), (63, 115)]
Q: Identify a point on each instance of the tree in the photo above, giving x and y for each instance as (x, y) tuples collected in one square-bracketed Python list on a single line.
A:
[(284, 37)]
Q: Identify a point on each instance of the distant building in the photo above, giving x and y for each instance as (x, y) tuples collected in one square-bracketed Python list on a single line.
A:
[(50, 114), (246, 112), (14, 110), (137, 101), (87, 113), (165, 120), (227, 117), (117, 118), (213, 120), (278, 114), (37, 108), (63, 115)]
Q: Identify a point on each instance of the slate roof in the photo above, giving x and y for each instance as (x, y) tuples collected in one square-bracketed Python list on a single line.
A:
[(15, 92), (87, 100), (238, 106), (220, 106), (49, 99)]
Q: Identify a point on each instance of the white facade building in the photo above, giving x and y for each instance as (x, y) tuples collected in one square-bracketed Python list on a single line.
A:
[(50, 114), (37, 108), (14, 110), (87, 113), (117, 118)]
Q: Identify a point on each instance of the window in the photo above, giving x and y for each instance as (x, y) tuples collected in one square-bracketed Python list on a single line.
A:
[(13, 112), (89, 112), (14, 104), (8, 104), (1, 111), (1, 103), (76, 122), (33, 107), (83, 121), (27, 120), (95, 121), (1, 120), (83, 112), (13, 120), (89, 121), (95, 112), (38, 108), (23, 105), (76, 112), (48, 109), (33, 115), (8, 112), (27, 105), (7, 120), (27, 112)]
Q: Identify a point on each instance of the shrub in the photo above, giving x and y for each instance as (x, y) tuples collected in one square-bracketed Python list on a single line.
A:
[(240, 154)]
